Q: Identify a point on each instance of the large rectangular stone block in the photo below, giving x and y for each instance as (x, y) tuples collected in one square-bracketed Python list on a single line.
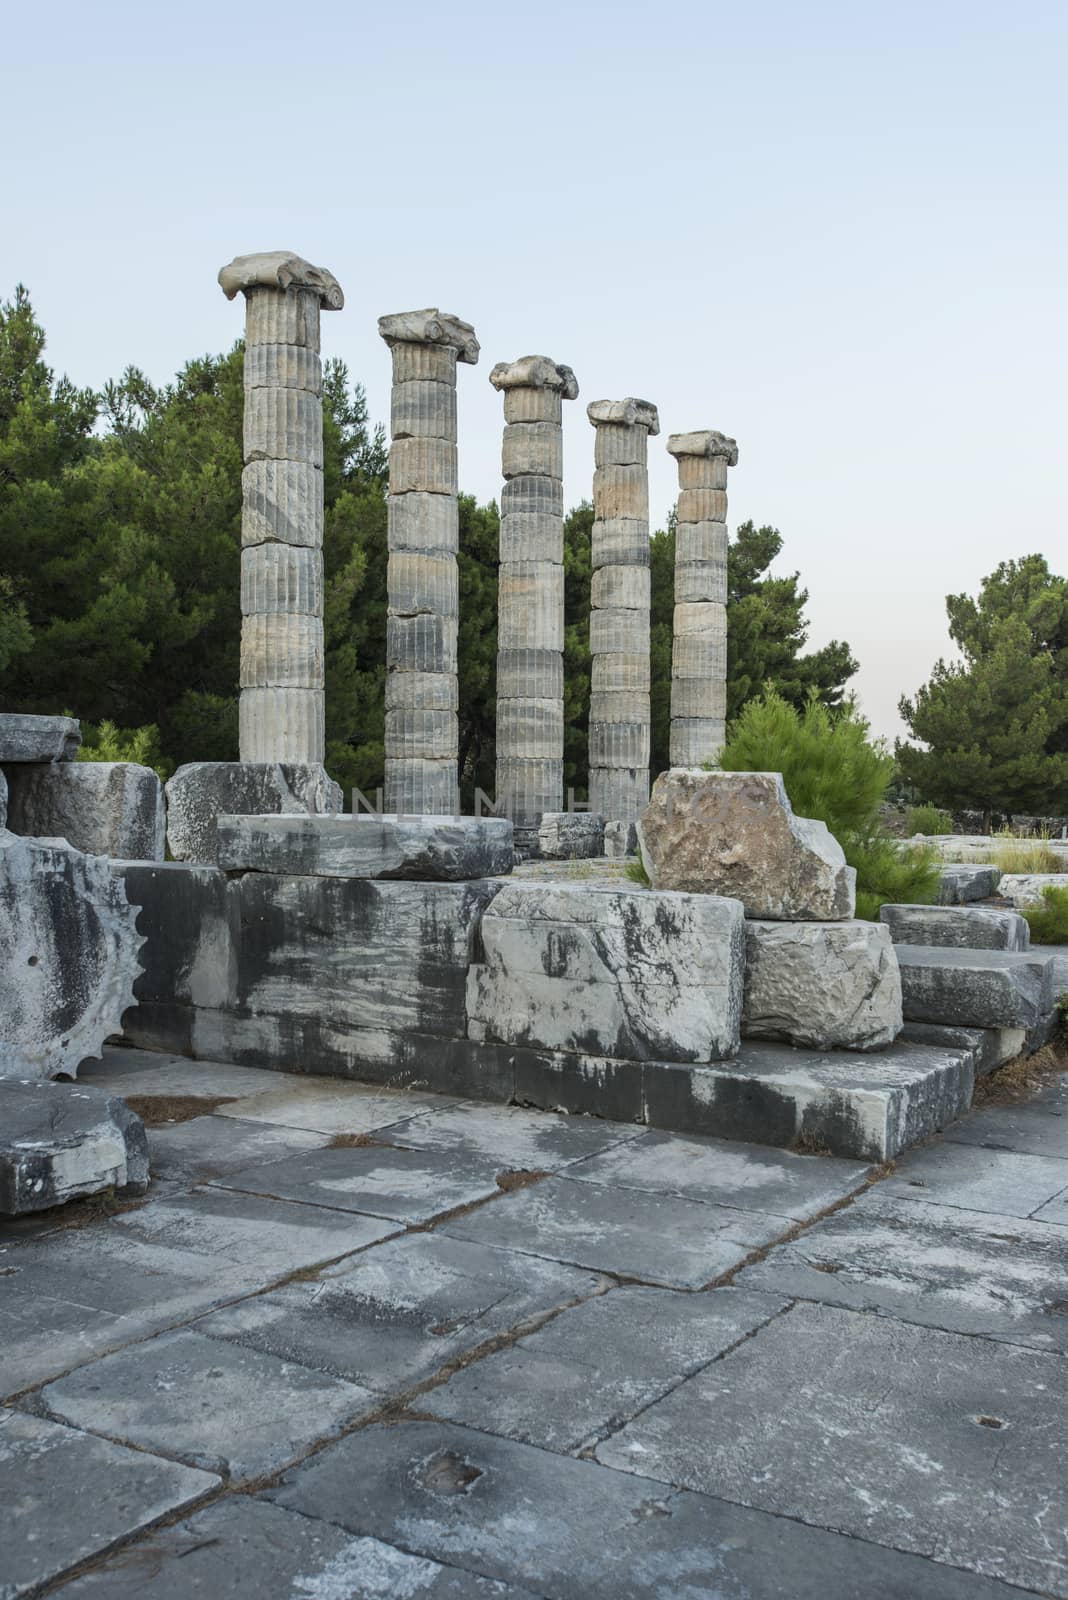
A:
[(619, 632), (824, 985), (188, 918), (531, 536), (355, 953), (282, 650), (619, 705), (614, 673), (610, 971), (621, 445), (533, 674), (283, 366), (533, 496), (619, 795), (695, 740), (282, 725), (416, 582), (282, 500), (423, 522), (106, 808), (423, 409), (532, 448), (427, 363), (530, 404), (527, 787), (698, 697), (283, 424), (618, 586), (697, 581), (427, 466), (423, 735), (437, 849), (702, 472), (620, 541), (421, 691), (27, 738), (282, 577), (702, 505), (621, 492), (530, 728), (571, 836), (957, 927), (619, 744), (422, 787), (975, 988), (201, 792), (422, 643), (530, 606)]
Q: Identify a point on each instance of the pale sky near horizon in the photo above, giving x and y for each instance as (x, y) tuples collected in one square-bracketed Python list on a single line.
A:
[(835, 231)]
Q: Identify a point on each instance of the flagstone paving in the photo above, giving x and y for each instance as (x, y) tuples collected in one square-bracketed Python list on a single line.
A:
[(356, 1343)]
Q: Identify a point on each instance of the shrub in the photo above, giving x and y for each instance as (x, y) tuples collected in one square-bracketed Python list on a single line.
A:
[(929, 819), (1049, 921), (105, 742), (1025, 855), (833, 771)]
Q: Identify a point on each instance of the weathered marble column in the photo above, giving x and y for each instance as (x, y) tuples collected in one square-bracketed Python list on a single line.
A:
[(699, 642), (530, 593), (619, 615), (423, 578), (282, 699)]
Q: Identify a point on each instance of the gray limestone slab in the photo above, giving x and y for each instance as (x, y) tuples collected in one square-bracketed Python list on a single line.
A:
[(199, 793), (67, 1496), (658, 1238), (576, 1531), (107, 808), (990, 1048), (393, 1316), (331, 1106), (965, 1271), (203, 1148), (537, 1141), (68, 1297), (258, 1231), (977, 1179), (906, 1436), (775, 1181), (961, 927), (591, 1369), (61, 1141), (1037, 1127), (249, 1549), (358, 846), (188, 916), (379, 1180), (28, 738), (144, 1072), (1055, 1210), (214, 1405), (975, 988), (962, 884)]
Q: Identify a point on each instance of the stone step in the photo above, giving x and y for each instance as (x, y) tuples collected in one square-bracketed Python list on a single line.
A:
[(60, 1141), (962, 884), (976, 988), (957, 927), (991, 1048)]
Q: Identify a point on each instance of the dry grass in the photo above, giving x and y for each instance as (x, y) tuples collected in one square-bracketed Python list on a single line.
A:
[(1021, 1079), (360, 1141), (157, 1109)]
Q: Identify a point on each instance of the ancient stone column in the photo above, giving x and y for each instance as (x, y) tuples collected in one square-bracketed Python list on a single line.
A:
[(282, 700), (423, 578), (619, 615), (699, 642), (530, 593)]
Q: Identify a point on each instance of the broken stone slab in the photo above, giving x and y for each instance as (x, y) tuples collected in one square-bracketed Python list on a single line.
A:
[(620, 840), (59, 1141), (975, 988), (26, 738), (439, 849), (961, 884), (106, 808), (735, 834), (824, 985), (68, 956), (610, 971), (1027, 888), (991, 1047), (202, 791), (3, 799), (570, 835), (957, 927)]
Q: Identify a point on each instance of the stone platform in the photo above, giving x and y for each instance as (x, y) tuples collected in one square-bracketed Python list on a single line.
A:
[(364, 1343)]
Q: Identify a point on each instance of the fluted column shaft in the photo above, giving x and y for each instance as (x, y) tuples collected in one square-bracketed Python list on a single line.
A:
[(282, 702), (619, 737), (422, 737), (699, 634), (530, 592)]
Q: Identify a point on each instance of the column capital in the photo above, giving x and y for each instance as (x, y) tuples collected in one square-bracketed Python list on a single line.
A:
[(281, 270), (535, 372), (705, 443), (431, 326), (630, 413)]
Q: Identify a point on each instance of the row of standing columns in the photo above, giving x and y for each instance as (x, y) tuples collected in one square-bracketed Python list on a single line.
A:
[(282, 678)]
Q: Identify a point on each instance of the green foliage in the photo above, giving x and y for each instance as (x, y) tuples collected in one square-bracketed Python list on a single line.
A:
[(578, 575), (479, 544), (833, 771), (635, 871), (995, 724), (106, 742), (928, 819), (1049, 921)]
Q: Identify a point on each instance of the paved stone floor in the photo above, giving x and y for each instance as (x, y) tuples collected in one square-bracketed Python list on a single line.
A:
[(362, 1343)]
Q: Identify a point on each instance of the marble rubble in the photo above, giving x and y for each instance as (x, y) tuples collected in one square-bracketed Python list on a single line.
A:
[(571, 836), (62, 1141), (106, 808), (822, 985), (202, 791), (961, 927)]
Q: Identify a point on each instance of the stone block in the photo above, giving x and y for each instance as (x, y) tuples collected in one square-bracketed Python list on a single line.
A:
[(421, 521), (990, 1047), (528, 404), (282, 650), (202, 791), (438, 849), (698, 697), (621, 492), (610, 971), (429, 326), (68, 956), (963, 884), (700, 582), (616, 794), (60, 1141), (570, 835), (532, 448), (273, 318), (530, 674), (957, 927), (26, 738), (620, 541), (619, 632), (695, 740), (527, 787), (421, 735), (351, 953), (283, 366), (615, 586), (187, 916), (282, 501), (423, 363), (531, 606), (427, 466), (620, 744), (824, 985), (735, 833), (535, 495), (612, 672), (282, 577), (423, 409), (621, 446), (422, 787), (975, 988), (531, 536), (423, 643), (283, 425), (106, 808), (701, 541), (530, 728), (1022, 888), (702, 505), (620, 840), (421, 691), (279, 724), (702, 472), (418, 582)]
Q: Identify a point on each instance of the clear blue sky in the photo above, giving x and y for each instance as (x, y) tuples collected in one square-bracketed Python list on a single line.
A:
[(836, 231)]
